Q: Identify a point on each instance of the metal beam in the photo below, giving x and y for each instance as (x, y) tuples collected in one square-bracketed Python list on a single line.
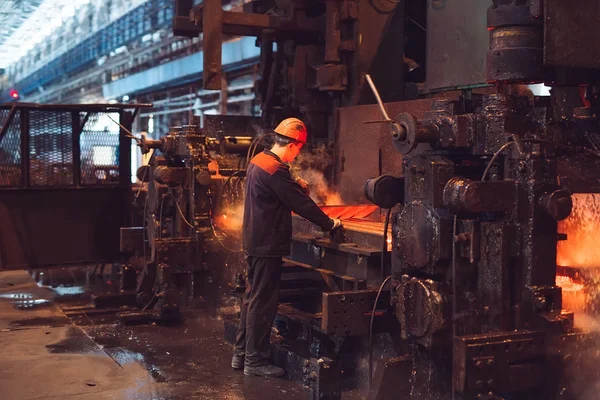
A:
[(212, 23), (245, 24)]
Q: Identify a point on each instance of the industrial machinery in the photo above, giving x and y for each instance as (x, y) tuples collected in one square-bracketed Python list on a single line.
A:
[(184, 188), (477, 169)]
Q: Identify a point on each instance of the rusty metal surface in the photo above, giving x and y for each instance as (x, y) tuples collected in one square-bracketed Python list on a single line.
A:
[(245, 24), (348, 313), (505, 360), (467, 196), (566, 42), (457, 43), (212, 22), (366, 150), (359, 232), (353, 252)]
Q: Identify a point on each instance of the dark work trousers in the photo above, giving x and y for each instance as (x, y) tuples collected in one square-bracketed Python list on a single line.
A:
[(259, 307)]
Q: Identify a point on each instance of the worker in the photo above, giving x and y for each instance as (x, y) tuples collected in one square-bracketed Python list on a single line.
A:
[(271, 196)]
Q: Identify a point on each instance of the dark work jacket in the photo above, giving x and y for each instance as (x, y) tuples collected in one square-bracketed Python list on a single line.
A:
[(271, 196)]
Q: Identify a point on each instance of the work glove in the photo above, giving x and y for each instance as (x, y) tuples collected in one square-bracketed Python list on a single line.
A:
[(303, 185), (336, 224)]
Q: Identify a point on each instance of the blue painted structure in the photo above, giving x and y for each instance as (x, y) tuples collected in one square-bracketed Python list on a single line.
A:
[(142, 20), (235, 54)]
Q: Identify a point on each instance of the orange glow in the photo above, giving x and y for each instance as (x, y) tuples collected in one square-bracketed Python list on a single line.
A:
[(333, 199), (574, 295), (582, 247), (230, 220), (346, 212)]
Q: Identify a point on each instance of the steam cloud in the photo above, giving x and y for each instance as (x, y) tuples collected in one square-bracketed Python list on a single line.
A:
[(320, 191), (310, 166)]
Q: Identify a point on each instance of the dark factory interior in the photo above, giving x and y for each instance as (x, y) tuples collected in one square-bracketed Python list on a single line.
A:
[(430, 168)]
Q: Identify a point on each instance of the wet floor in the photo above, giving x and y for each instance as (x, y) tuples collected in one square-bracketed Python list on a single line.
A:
[(193, 359), (190, 360)]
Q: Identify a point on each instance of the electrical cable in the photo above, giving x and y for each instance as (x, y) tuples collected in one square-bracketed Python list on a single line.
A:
[(384, 281), (253, 146), (214, 230), (256, 146), (232, 175), (169, 194), (506, 145), (162, 202), (153, 297), (182, 214), (250, 149), (496, 154), (371, 331)]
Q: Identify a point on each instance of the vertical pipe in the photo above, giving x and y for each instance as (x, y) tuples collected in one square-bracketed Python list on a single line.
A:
[(25, 147), (76, 144), (125, 165)]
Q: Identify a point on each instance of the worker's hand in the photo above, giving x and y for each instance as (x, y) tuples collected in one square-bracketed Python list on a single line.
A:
[(336, 224), (304, 185)]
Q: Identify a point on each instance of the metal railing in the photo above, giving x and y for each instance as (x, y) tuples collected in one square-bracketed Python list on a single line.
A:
[(46, 146), (65, 183)]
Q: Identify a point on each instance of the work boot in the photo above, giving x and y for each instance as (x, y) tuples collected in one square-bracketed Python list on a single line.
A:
[(264, 370), (237, 362)]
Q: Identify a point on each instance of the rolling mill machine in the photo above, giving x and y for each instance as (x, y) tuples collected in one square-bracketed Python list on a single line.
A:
[(455, 285), (192, 176), (468, 258)]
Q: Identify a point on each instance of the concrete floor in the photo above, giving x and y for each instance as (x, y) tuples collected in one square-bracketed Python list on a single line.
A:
[(46, 355)]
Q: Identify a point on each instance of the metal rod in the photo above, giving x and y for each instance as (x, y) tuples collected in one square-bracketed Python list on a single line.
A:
[(78, 127), (25, 157), (376, 94), (127, 131)]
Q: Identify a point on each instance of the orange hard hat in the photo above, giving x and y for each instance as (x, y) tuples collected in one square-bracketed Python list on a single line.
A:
[(292, 128)]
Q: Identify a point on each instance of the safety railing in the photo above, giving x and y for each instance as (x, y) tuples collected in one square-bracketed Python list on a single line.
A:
[(65, 183), (49, 146)]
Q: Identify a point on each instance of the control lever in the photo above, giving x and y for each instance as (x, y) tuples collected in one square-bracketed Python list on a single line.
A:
[(398, 131)]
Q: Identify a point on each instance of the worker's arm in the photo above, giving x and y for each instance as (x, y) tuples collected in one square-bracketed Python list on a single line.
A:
[(290, 193)]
